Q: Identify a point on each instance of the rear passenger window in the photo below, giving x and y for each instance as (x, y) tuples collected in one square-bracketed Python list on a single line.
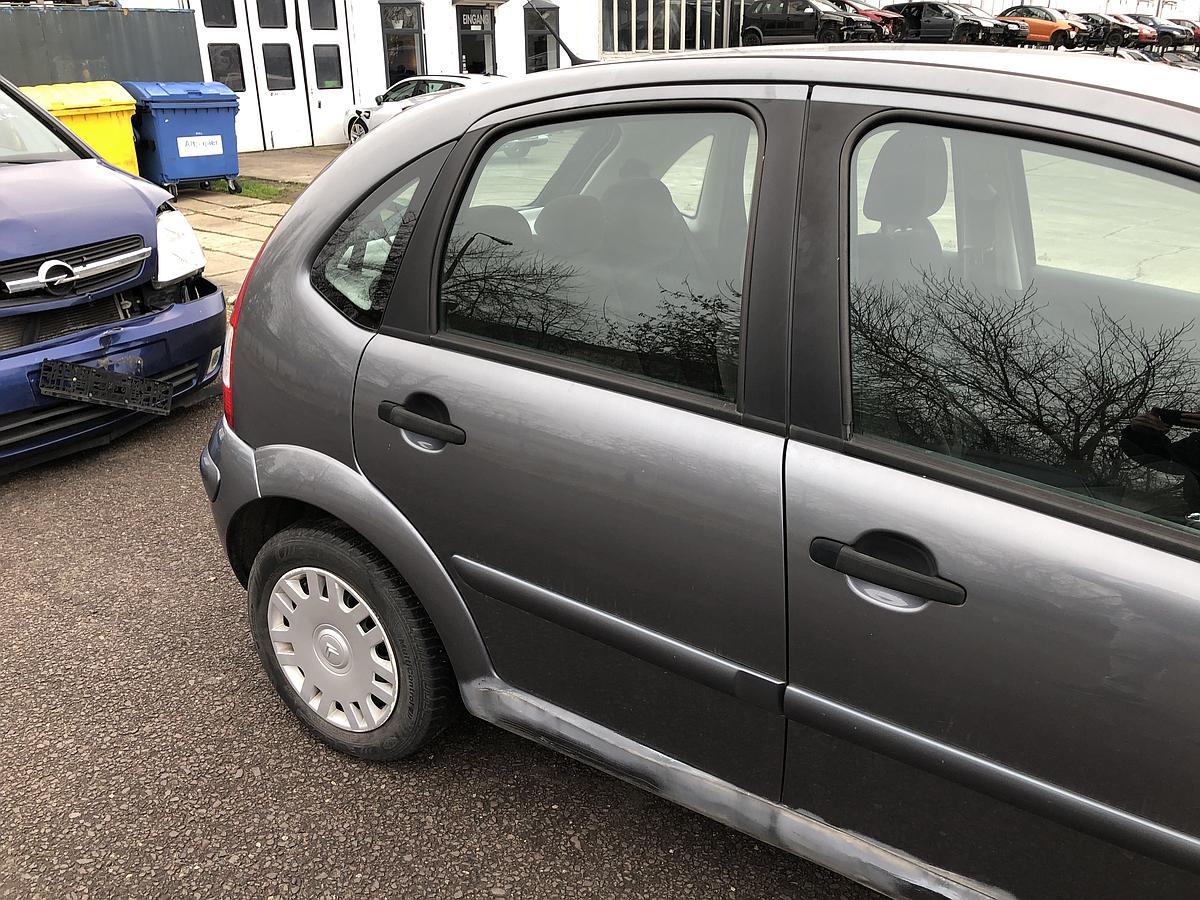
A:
[(1056, 340), (569, 242), (355, 269)]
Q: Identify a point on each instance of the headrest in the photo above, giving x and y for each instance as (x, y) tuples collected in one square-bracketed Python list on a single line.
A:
[(641, 220), (570, 225), (908, 180), (497, 221)]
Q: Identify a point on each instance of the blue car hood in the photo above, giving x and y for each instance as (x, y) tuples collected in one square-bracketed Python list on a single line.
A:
[(51, 206)]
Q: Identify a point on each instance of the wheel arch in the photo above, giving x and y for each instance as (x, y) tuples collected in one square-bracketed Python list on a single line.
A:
[(297, 484)]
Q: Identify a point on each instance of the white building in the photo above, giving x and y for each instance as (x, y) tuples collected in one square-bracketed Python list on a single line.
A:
[(298, 65)]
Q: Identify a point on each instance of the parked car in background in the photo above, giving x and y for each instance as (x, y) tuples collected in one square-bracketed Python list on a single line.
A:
[(400, 96), (801, 21), (941, 23), (1169, 33), (906, 586), (1193, 25), (1046, 26), (890, 26), (996, 31), (1110, 32), (1082, 36), (1146, 36), (105, 317), (1181, 59)]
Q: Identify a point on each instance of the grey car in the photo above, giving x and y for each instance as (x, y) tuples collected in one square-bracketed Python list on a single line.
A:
[(789, 433)]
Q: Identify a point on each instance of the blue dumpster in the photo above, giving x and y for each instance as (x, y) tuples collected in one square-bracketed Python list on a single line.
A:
[(184, 132)]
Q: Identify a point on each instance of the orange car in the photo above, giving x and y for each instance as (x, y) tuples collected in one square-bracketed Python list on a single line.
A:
[(1046, 26)]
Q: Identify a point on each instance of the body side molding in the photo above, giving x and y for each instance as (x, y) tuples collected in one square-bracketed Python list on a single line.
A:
[(705, 668), (1009, 785)]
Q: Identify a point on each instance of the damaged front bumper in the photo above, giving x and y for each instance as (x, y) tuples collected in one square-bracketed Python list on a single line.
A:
[(179, 343)]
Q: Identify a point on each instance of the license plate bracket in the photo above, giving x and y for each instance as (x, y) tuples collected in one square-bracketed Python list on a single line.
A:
[(73, 381)]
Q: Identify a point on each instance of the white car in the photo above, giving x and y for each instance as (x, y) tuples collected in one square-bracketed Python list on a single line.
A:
[(400, 96)]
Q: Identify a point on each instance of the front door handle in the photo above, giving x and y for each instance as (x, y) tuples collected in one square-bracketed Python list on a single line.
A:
[(398, 415), (845, 559)]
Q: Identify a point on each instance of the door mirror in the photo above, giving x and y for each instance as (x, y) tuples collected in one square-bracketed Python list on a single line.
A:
[(378, 99)]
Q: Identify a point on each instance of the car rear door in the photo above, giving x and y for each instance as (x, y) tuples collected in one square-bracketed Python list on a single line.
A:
[(563, 403), (992, 562), (802, 20)]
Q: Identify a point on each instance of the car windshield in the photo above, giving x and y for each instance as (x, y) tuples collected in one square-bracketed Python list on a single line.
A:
[(26, 139), (973, 10), (824, 7)]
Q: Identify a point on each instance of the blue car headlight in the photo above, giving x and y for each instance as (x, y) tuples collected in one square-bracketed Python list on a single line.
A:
[(179, 253)]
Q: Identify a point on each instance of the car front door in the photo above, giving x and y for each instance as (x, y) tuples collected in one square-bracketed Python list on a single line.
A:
[(936, 23), (992, 553), (802, 21), (577, 439)]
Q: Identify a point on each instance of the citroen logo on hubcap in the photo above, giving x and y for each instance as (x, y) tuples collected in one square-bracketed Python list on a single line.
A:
[(333, 650)]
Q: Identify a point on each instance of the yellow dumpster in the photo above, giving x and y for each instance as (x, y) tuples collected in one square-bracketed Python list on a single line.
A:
[(99, 112)]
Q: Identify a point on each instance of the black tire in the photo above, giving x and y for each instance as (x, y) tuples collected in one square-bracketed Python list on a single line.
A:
[(234, 187), (356, 130), (1058, 40), (1113, 40), (963, 35), (899, 31), (829, 34), (751, 39), (431, 701), (1166, 41)]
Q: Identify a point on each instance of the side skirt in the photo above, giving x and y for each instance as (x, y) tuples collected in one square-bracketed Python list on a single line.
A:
[(881, 868)]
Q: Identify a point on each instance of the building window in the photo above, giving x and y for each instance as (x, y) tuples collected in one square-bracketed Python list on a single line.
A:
[(476, 40), (272, 14), (218, 13), (322, 15), (277, 62), (403, 47), (327, 60), (225, 60), (541, 49)]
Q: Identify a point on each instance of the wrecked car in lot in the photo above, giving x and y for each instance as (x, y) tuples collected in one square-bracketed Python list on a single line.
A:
[(105, 320)]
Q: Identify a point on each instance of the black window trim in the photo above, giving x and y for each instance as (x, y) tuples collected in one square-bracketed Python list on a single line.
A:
[(426, 167), (451, 191), (204, 19), (337, 48), (1043, 499)]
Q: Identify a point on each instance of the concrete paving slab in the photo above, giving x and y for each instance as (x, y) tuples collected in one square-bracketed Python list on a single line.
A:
[(274, 208), (230, 283), (221, 263), (300, 165), (235, 200)]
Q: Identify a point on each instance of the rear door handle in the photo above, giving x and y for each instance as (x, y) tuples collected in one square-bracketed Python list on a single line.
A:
[(845, 559), (395, 414)]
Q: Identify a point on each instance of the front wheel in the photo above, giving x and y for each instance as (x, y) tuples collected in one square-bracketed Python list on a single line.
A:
[(899, 31), (751, 39), (962, 35), (1113, 40), (347, 645), (829, 34), (1058, 40), (358, 128), (1166, 41)]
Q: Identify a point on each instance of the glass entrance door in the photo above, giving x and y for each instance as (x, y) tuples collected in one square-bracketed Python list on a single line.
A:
[(476, 40)]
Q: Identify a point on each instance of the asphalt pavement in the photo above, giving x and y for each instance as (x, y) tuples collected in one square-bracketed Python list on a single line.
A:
[(145, 755)]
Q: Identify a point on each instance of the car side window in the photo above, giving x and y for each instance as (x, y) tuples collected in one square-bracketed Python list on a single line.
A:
[(399, 92), (1057, 344), (569, 243), (355, 269)]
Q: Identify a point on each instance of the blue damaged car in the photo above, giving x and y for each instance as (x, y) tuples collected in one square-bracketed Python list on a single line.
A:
[(105, 319)]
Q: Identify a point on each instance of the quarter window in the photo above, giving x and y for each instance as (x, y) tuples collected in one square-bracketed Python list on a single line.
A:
[(570, 243), (355, 269), (1041, 342)]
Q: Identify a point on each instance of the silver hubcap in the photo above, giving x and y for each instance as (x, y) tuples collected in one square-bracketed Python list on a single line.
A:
[(356, 131), (332, 649)]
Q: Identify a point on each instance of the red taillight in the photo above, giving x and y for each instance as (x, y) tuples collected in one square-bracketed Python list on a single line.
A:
[(230, 334)]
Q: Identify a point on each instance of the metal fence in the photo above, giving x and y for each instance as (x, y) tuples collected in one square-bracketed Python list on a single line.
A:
[(52, 44), (654, 26)]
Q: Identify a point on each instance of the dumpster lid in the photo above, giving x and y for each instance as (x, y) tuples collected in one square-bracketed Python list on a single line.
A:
[(107, 95), (180, 92)]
